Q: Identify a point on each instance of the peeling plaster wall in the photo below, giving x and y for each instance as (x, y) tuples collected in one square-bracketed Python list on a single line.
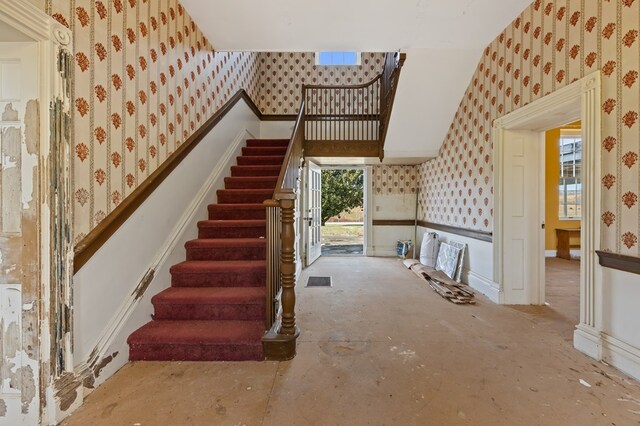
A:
[(19, 234)]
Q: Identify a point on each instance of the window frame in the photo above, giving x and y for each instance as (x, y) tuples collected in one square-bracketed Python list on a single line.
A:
[(574, 135)]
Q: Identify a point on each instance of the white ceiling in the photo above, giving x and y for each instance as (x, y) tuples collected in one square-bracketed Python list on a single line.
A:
[(362, 25)]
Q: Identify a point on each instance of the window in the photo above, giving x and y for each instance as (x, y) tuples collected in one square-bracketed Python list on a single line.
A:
[(338, 58), (570, 174)]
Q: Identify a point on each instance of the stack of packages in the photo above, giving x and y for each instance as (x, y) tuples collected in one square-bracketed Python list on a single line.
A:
[(441, 266)]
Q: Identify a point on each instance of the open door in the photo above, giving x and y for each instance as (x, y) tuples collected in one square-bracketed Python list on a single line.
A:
[(312, 213), (522, 234)]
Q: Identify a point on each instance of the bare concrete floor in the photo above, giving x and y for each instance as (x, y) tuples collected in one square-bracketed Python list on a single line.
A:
[(381, 348)]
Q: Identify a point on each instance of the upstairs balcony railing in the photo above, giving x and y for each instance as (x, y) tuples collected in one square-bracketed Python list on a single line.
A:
[(351, 120)]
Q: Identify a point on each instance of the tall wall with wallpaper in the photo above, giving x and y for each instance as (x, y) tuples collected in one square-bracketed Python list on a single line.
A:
[(145, 79), (551, 44)]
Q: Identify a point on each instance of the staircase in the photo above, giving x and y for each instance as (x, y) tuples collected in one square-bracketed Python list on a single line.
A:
[(215, 307)]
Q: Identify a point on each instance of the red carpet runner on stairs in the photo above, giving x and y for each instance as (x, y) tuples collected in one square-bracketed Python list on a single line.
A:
[(215, 307)]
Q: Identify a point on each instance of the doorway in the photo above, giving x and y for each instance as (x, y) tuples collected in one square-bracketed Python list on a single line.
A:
[(519, 227), (563, 207), (342, 212), (334, 213)]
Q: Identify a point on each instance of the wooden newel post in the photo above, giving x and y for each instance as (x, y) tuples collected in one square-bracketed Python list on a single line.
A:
[(288, 267)]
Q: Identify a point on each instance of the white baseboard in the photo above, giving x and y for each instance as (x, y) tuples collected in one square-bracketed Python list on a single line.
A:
[(554, 253), (603, 347), (483, 285), (621, 355), (586, 340), (382, 251), (122, 315)]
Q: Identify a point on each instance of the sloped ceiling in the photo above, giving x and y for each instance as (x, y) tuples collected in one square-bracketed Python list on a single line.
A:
[(443, 40), (364, 25)]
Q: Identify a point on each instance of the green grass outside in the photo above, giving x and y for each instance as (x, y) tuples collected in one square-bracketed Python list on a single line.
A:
[(342, 230)]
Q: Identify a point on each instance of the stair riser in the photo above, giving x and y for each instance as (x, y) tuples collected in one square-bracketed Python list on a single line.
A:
[(267, 142), (221, 279), (242, 312), (233, 232), (235, 198), (227, 253), (250, 184), (261, 171), (259, 161), (196, 352), (251, 151), (217, 213)]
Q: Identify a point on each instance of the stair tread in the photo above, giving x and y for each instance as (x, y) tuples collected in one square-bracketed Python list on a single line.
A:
[(199, 332), (226, 242), (252, 178), (246, 191), (208, 266), (239, 206), (229, 223), (211, 295)]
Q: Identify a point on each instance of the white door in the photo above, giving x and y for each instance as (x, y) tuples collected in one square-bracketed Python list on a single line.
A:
[(522, 234), (312, 213)]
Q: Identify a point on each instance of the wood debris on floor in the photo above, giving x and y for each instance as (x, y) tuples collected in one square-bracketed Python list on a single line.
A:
[(453, 292), (441, 283)]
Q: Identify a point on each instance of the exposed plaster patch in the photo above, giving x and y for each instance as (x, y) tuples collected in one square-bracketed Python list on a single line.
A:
[(3, 408), (9, 113), (144, 283), (29, 152), (67, 390), (103, 363)]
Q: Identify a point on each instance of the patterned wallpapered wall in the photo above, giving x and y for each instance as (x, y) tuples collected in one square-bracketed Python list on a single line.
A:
[(282, 75), (395, 179), (145, 79), (551, 44)]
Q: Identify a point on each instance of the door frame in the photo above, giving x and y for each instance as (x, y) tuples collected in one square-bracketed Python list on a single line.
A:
[(58, 390), (579, 100), (367, 195)]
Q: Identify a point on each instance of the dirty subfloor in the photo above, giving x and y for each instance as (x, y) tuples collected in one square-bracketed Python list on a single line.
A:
[(381, 348)]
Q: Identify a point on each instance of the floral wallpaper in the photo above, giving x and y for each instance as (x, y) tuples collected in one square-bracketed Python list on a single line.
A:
[(395, 179), (145, 78), (282, 75), (551, 44)]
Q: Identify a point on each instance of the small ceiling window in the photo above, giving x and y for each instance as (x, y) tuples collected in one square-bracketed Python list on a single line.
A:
[(337, 58)]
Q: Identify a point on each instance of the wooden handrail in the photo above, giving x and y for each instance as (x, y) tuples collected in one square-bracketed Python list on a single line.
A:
[(90, 244), (289, 173), (390, 76), (342, 86)]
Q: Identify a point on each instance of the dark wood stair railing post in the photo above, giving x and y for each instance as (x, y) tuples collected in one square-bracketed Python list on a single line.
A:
[(287, 264)]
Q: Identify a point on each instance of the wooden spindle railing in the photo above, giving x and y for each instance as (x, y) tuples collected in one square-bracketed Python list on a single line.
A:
[(342, 113), (280, 340), (351, 120)]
